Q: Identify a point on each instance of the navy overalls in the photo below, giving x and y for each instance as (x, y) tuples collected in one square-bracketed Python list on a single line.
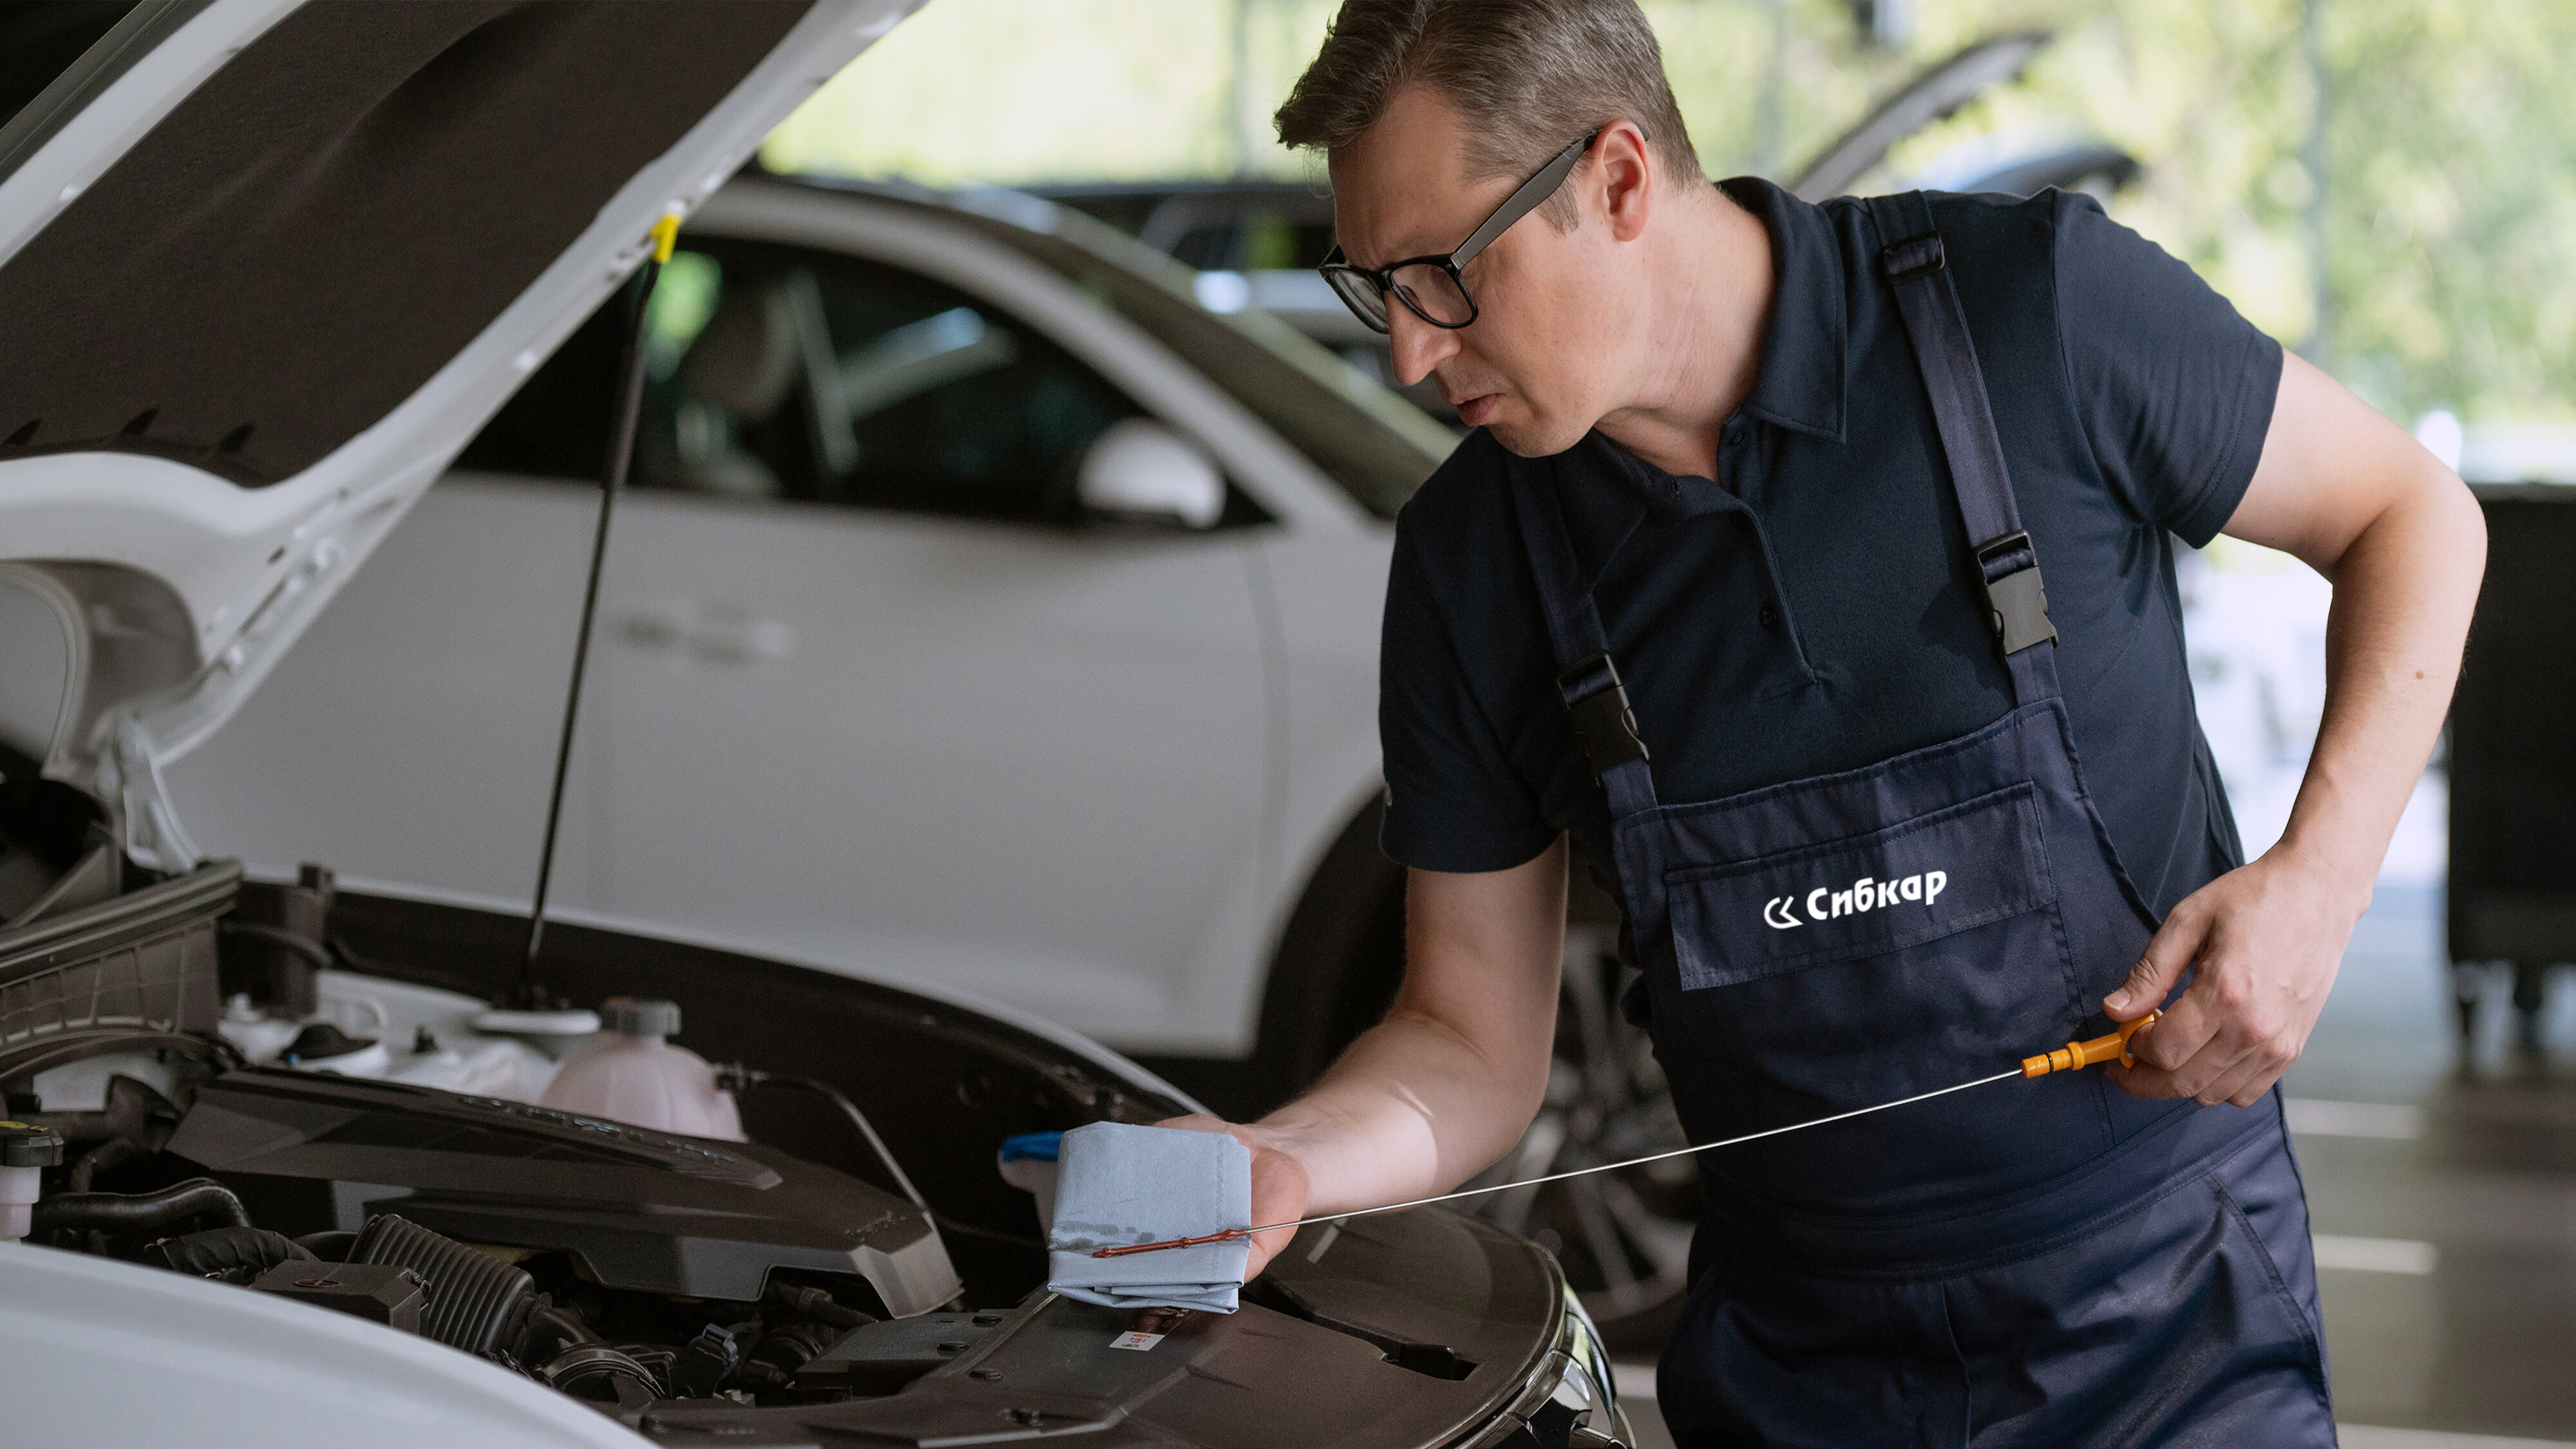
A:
[(2049, 1262)]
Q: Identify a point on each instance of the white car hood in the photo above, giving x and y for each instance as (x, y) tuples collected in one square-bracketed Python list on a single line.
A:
[(266, 267)]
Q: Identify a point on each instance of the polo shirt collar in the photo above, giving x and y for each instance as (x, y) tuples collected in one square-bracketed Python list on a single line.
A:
[(1800, 383), (1799, 386)]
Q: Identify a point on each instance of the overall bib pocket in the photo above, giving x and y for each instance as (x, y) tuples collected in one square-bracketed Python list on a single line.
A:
[(1952, 870)]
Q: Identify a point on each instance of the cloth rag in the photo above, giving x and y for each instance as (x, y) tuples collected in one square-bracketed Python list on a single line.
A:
[(1118, 1184)]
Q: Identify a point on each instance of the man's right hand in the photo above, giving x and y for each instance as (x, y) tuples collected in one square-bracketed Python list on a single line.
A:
[(1279, 1185), (1448, 1082)]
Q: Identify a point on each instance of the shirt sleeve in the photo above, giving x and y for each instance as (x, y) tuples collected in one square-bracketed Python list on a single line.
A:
[(1453, 801), (2174, 387)]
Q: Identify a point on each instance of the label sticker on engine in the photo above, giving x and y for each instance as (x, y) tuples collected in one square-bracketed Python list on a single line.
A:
[(1141, 1342)]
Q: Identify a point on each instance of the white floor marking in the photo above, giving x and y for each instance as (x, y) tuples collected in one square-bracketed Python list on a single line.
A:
[(2366, 1436), (1636, 1384), (2312, 1117), (2375, 1255)]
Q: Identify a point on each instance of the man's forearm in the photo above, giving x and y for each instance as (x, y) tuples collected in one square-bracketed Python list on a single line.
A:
[(1449, 1081), (2404, 590), (2360, 502), (1412, 1109)]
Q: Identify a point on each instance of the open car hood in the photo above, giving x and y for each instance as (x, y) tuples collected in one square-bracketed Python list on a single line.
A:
[(265, 267)]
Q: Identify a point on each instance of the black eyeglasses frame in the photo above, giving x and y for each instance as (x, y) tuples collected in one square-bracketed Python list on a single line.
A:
[(1526, 198)]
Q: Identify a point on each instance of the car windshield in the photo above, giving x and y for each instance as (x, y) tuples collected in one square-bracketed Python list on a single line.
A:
[(1377, 446)]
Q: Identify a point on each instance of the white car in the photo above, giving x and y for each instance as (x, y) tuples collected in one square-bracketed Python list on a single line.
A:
[(984, 613), (265, 268), (995, 610), (989, 613)]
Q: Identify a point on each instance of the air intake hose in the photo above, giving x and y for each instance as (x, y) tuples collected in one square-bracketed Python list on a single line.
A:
[(476, 1302)]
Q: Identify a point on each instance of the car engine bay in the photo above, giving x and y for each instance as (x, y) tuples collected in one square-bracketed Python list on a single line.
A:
[(615, 1263), (304, 1093)]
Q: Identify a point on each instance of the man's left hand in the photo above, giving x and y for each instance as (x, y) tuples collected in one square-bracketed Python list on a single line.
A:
[(2266, 939)]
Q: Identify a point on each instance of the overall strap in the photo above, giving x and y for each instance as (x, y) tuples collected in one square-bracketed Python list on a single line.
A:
[(1595, 701), (2007, 564)]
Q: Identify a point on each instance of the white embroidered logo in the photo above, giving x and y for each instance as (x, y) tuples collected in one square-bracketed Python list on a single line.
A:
[(1824, 903)]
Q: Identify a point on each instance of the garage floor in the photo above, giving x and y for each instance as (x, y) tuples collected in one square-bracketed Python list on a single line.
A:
[(2444, 1201)]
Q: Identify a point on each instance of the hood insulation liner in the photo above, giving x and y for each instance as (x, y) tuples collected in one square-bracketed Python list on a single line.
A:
[(304, 240)]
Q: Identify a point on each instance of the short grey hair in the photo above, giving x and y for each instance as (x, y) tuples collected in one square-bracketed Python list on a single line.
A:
[(1529, 76)]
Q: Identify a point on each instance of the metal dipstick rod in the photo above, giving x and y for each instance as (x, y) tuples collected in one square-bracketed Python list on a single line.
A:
[(621, 455), (2074, 1056)]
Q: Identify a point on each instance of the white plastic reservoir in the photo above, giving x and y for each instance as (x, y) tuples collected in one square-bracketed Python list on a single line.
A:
[(631, 1073)]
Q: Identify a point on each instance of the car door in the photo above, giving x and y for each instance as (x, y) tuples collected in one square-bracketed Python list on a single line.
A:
[(875, 691)]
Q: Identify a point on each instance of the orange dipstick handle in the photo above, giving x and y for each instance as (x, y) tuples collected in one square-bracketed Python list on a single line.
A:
[(2077, 1055)]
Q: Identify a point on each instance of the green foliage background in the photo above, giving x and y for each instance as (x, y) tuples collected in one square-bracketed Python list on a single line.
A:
[(2449, 184)]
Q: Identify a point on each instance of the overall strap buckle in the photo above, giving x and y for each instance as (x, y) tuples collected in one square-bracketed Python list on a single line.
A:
[(1596, 703), (2016, 601), (1915, 256)]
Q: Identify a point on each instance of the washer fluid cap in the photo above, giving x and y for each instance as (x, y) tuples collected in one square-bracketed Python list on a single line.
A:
[(640, 1016), (26, 1145), (26, 1150)]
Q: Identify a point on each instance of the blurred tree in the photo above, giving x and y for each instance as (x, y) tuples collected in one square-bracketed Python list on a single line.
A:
[(2445, 207)]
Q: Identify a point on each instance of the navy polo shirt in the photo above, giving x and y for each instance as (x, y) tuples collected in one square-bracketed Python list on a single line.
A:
[(1814, 608)]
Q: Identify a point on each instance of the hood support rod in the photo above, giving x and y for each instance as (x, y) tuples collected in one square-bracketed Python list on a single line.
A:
[(621, 456)]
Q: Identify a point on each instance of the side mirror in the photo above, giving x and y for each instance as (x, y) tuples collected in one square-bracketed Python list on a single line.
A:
[(1140, 472)]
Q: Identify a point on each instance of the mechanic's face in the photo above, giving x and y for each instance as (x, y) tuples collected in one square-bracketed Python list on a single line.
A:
[(1541, 362)]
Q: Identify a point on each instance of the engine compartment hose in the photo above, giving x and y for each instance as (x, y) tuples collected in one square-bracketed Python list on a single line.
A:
[(114, 1152), (141, 1212), (566, 1329), (331, 1245), (476, 1301), (236, 1255), (737, 1078), (817, 1304), (314, 952), (601, 1375), (780, 1353)]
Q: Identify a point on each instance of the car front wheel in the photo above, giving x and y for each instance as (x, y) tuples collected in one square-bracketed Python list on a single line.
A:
[(1623, 1236)]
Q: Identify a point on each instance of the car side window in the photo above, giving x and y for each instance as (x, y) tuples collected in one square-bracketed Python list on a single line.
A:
[(782, 373)]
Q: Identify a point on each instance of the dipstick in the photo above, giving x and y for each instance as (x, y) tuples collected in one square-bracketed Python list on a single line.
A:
[(2077, 1055), (2074, 1056)]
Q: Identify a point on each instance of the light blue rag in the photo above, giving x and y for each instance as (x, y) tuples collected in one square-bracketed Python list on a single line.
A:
[(1119, 1184)]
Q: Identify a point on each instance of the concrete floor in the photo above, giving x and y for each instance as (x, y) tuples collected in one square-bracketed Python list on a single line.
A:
[(2443, 1195)]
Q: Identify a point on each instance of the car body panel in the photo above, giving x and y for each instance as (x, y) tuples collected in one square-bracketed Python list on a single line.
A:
[(251, 566), (229, 1367), (151, 582), (1085, 771)]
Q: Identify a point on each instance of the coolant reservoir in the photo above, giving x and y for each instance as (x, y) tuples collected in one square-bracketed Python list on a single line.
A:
[(630, 1073)]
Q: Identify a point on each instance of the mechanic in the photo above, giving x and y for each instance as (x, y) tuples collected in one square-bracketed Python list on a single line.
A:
[(1737, 583)]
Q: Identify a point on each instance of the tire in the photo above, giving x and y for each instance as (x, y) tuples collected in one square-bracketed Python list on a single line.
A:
[(1622, 1237)]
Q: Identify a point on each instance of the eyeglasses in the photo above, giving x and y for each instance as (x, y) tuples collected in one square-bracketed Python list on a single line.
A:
[(1432, 287)]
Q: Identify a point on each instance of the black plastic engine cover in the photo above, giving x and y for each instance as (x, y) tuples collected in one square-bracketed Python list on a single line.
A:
[(642, 1209), (1405, 1331)]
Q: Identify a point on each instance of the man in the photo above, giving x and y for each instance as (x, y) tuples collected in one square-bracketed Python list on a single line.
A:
[(1738, 584)]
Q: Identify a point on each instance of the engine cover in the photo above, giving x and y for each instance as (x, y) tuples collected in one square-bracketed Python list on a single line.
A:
[(641, 1209)]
